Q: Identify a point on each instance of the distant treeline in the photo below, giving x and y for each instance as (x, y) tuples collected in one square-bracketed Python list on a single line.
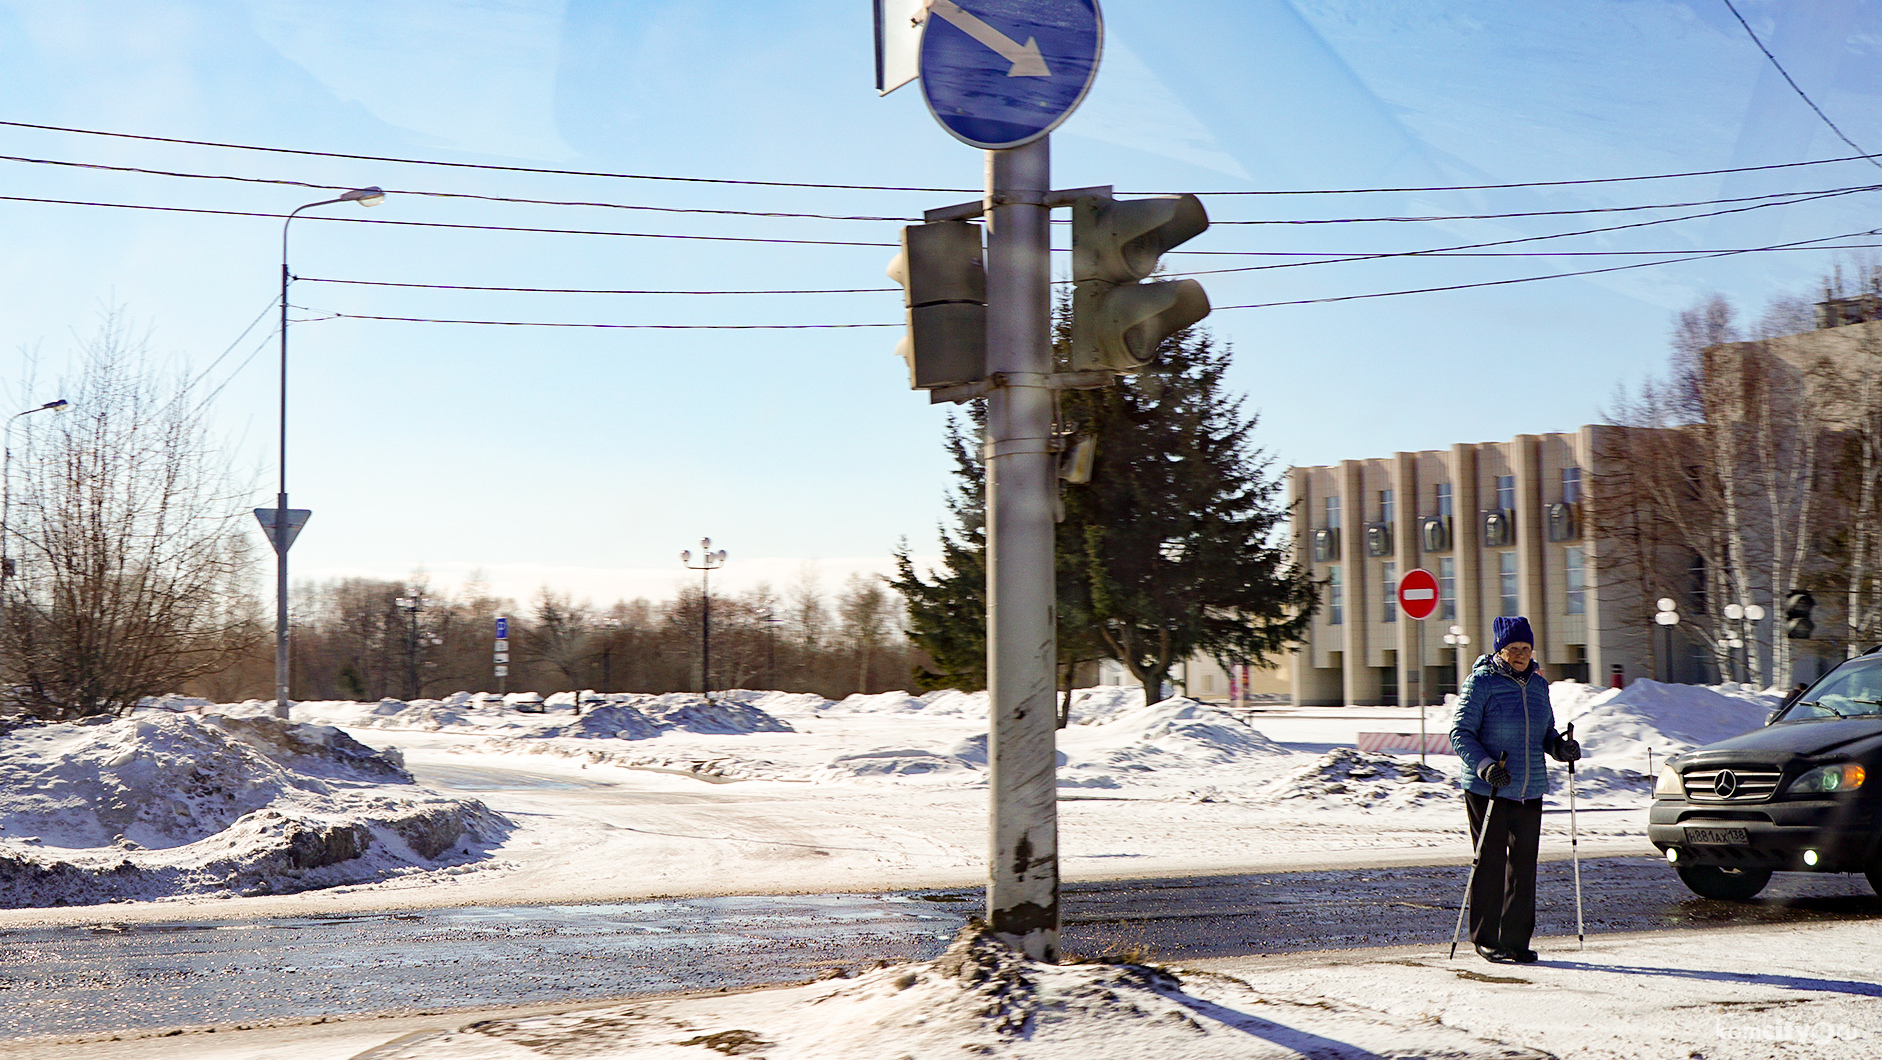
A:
[(362, 639)]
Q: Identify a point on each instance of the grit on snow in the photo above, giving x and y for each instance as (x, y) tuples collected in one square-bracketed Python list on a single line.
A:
[(752, 792)]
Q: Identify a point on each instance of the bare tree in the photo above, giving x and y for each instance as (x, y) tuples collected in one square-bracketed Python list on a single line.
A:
[(132, 559), (863, 608)]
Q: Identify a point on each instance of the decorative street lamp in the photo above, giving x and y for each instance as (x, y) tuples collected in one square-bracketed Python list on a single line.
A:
[(281, 523), (412, 605), (6, 483), (708, 562), (1669, 617), (1458, 642)]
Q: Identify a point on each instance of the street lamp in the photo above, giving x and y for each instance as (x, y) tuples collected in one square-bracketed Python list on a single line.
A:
[(6, 482), (279, 524), (412, 605), (1458, 642), (708, 562), (1669, 617)]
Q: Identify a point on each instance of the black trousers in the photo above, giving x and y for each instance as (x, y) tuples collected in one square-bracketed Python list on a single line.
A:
[(1503, 892)]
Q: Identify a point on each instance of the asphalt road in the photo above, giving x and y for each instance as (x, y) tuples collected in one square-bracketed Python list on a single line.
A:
[(109, 977)]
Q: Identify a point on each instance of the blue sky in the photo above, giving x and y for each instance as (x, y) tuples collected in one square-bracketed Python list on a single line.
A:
[(588, 459)]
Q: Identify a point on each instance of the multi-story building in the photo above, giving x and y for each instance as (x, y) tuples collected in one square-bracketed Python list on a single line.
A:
[(1500, 525)]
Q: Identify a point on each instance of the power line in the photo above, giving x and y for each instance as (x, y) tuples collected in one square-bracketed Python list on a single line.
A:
[(1532, 279), (585, 290), (645, 327), (876, 218), (1443, 251), (878, 187), (278, 182), (1795, 87)]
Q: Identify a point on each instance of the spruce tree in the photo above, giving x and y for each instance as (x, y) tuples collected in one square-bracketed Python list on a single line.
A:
[(1172, 549)]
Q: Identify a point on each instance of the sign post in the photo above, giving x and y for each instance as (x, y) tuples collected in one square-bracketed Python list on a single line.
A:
[(1418, 598), (281, 525), (1000, 75), (502, 656)]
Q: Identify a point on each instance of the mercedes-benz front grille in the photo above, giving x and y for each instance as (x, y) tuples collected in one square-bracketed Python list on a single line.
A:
[(1730, 785)]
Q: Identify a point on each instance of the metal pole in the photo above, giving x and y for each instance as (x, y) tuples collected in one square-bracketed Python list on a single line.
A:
[(281, 505), (1022, 650), (705, 634), (1420, 671)]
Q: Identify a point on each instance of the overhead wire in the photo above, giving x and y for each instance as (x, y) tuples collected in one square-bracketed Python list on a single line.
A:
[(224, 145), (1795, 87)]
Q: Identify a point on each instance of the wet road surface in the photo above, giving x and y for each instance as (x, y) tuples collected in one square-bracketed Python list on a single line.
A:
[(113, 977)]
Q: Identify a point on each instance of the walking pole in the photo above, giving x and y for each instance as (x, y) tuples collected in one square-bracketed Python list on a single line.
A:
[(1476, 855), (1574, 844)]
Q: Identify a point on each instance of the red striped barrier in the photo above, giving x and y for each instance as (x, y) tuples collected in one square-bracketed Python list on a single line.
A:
[(1436, 743)]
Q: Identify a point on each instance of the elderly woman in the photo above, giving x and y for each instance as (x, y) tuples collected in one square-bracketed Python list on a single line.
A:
[(1502, 728)]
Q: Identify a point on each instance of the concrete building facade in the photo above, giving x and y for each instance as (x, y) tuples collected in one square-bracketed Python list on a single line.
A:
[(1502, 527)]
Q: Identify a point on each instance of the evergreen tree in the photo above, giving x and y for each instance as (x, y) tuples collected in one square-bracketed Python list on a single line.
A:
[(1170, 550)]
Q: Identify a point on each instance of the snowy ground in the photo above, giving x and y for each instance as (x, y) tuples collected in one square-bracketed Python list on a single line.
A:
[(756, 792), (1741, 994)]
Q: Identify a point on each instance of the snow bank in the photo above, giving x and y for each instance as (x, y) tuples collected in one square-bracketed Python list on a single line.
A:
[(979, 998), (162, 804), (1616, 726), (1349, 778), (1174, 734)]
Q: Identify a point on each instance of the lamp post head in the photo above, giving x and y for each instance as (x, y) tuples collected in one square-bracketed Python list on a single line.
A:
[(686, 555), (364, 196), (61, 403)]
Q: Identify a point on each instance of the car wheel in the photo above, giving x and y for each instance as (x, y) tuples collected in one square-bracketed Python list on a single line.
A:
[(1727, 885)]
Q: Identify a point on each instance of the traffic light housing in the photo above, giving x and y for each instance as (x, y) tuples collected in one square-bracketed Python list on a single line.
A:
[(944, 286), (1117, 321), (1797, 623)]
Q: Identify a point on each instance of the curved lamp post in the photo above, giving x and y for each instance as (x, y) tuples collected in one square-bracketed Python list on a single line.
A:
[(708, 562), (1667, 616), (277, 523), (1458, 641), (6, 484)]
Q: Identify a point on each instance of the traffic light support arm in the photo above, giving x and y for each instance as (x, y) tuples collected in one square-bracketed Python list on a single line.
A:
[(967, 211), (1056, 381)]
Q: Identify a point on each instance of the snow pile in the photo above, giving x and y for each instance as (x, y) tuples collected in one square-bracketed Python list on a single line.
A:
[(979, 998), (630, 716), (1366, 780), (1093, 706), (1616, 726), (944, 702), (162, 804), (1176, 734)]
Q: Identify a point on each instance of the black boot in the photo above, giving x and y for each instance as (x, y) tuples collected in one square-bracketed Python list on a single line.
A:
[(1495, 954)]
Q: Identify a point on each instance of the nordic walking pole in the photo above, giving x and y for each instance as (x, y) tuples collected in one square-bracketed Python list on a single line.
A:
[(1574, 844), (1476, 855)]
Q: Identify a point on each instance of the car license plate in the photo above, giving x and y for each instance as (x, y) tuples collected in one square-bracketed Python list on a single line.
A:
[(1719, 836)]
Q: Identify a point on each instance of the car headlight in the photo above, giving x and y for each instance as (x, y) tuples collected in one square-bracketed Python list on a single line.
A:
[(1843, 776), (1669, 783)]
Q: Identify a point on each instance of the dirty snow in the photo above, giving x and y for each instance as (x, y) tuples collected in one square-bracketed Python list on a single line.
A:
[(162, 804), (1806, 992)]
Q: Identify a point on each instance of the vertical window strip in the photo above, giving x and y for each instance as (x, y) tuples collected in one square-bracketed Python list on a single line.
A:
[(1447, 587), (1333, 596), (1573, 567), (1506, 583), (1389, 579)]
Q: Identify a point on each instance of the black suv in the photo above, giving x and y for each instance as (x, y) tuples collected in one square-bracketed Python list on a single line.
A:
[(1802, 794)]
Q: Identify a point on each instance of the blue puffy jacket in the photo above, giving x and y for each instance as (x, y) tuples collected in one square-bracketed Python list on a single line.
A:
[(1500, 712)]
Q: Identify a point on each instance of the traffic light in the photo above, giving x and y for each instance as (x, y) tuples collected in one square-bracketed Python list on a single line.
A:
[(944, 286), (1118, 322), (1797, 624)]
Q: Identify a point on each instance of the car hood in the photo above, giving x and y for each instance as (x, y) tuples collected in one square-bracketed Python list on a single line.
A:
[(1806, 737)]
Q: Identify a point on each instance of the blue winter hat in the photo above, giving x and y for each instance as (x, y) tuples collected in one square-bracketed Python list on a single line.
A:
[(1508, 631)]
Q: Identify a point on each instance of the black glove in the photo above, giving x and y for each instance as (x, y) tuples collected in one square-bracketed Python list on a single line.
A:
[(1566, 750), (1494, 773)]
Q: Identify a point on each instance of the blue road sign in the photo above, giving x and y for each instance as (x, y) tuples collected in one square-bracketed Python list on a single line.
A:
[(503, 629), (1001, 73)]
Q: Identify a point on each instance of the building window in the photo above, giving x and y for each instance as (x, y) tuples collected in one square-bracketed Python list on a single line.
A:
[(1444, 498), (1385, 506), (1506, 582), (1447, 587), (1388, 577), (1571, 485), (1333, 513), (1573, 566), (1506, 492), (1333, 596)]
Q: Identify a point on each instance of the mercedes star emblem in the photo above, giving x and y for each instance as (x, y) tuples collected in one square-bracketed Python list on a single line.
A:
[(1726, 784)]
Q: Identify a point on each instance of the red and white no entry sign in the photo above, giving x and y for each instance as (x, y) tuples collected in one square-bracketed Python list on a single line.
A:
[(1418, 593)]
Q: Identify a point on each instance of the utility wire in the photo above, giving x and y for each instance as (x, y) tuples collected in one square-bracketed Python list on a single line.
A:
[(1795, 87), (1532, 279), (517, 200), (1252, 305), (646, 327), (878, 187)]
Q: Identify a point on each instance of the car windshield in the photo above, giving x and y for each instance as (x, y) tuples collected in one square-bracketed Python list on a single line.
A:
[(1852, 690)]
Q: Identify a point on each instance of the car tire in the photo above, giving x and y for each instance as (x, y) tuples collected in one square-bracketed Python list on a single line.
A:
[(1726, 885)]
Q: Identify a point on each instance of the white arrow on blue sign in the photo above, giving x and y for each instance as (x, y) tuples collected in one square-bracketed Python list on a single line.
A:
[(1002, 73)]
